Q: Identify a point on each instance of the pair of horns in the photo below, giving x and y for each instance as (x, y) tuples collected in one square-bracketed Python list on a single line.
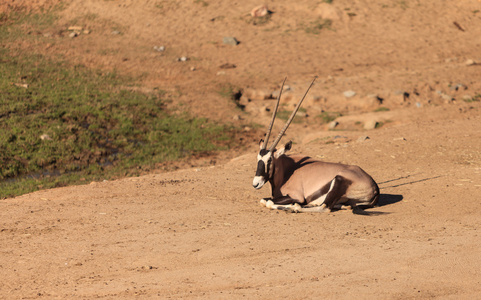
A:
[(293, 114)]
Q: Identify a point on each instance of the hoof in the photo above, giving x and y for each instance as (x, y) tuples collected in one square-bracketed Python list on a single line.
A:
[(270, 204), (263, 202), (296, 208)]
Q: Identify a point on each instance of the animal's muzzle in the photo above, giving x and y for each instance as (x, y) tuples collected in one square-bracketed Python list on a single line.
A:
[(258, 182)]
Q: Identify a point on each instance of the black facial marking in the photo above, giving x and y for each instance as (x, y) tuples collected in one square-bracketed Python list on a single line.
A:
[(260, 168), (263, 152)]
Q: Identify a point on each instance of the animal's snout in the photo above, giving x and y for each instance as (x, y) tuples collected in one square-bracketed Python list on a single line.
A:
[(258, 182)]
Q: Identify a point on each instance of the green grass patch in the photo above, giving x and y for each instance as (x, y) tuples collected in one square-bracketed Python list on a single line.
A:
[(381, 109), (327, 117), (285, 114), (60, 124), (381, 124)]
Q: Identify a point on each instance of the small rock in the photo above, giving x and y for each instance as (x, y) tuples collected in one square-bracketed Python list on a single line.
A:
[(418, 104), (193, 69), (75, 28), (332, 125), (328, 11), (470, 62), (237, 118), (45, 137), (183, 58), (22, 85), (73, 34), (254, 94), (220, 73), (265, 110), (259, 11), (159, 48), (445, 97), (401, 97), (228, 40), (363, 138), (457, 87), (467, 97), (275, 94), (375, 99), (349, 94), (86, 31), (371, 124), (115, 32)]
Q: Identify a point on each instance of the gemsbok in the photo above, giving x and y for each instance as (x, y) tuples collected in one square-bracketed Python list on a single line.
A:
[(302, 184)]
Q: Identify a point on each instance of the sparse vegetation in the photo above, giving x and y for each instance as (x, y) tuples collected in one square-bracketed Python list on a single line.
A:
[(382, 108), (382, 123), (403, 4), (201, 2), (315, 27), (232, 93), (285, 114), (476, 98), (327, 116)]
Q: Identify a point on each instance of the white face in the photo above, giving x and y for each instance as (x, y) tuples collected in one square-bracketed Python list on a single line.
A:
[(264, 159)]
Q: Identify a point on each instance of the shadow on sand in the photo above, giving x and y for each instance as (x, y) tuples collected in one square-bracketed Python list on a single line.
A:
[(388, 199), (384, 199)]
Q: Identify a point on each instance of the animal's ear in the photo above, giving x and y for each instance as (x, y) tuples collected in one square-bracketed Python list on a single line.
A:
[(284, 149), (260, 143)]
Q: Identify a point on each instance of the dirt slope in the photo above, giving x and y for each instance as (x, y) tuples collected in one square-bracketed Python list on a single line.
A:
[(200, 233)]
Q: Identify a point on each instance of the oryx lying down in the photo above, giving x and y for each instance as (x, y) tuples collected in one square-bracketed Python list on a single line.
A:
[(302, 184)]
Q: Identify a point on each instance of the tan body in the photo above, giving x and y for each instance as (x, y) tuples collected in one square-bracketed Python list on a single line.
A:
[(313, 175)]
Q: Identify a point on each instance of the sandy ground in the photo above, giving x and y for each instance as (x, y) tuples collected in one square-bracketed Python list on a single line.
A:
[(200, 232)]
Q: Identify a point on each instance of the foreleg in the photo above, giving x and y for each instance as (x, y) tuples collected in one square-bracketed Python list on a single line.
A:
[(281, 203)]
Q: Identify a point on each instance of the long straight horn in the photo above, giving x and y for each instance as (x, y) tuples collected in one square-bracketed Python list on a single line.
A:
[(293, 114), (269, 129)]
